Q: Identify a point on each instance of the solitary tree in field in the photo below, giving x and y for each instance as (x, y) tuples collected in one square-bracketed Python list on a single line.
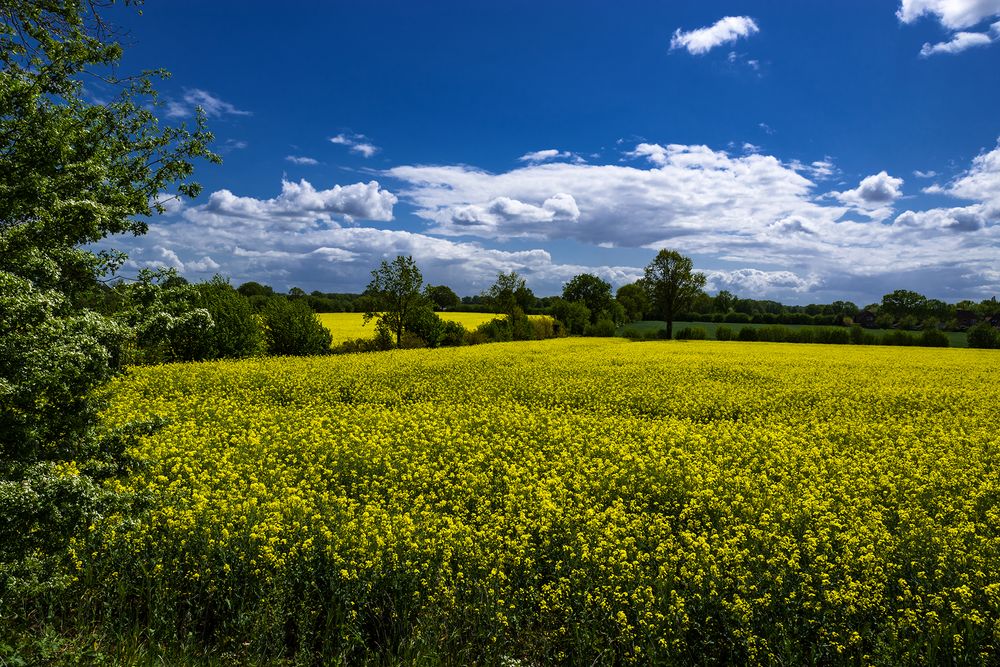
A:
[(671, 285), (395, 293)]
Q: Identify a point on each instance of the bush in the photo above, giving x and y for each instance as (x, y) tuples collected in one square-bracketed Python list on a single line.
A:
[(737, 318), (423, 323), (293, 329), (775, 334), (452, 334), (573, 314), (237, 331), (832, 336), (544, 327), (933, 338), (747, 334), (723, 333), (691, 333), (984, 337), (496, 330), (898, 338), (603, 328)]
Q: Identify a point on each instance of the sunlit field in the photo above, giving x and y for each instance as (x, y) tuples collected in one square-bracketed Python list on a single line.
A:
[(350, 326), (585, 501)]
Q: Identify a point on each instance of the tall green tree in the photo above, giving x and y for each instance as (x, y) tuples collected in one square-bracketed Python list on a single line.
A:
[(595, 294), (395, 292), (73, 172), (633, 299), (671, 285), (510, 293)]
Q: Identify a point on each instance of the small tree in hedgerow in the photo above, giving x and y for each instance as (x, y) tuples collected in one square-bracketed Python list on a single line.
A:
[(671, 285), (395, 293)]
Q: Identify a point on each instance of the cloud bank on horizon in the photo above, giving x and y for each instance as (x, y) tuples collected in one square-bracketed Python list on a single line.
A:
[(762, 215), (757, 221)]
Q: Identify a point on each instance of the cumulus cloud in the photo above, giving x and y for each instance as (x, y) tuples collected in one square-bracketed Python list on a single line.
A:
[(301, 205), (955, 15), (959, 42), (356, 143), (755, 281), (981, 182), (212, 105), (751, 222), (952, 14), (548, 155), (723, 31), (302, 160), (874, 196)]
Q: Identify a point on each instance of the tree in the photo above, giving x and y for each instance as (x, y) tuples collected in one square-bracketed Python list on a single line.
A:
[(594, 293), (724, 301), (671, 285), (902, 303), (395, 292), (509, 293), (442, 296), (292, 328), (633, 299), (73, 173)]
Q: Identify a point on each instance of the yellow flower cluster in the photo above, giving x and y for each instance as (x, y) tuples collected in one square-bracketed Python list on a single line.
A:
[(572, 500)]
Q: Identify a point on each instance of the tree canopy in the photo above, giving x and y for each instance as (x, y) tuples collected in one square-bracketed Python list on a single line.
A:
[(74, 172), (396, 292), (671, 284)]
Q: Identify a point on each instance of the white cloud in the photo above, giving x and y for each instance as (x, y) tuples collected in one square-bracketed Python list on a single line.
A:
[(298, 159), (952, 14), (959, 42), (300, 205), (752, 223), (930, 173), (755, 281), (703, 40), (548, 155), (981, 182), (212, 105), (204, 265), (357, 143), (874, 196)]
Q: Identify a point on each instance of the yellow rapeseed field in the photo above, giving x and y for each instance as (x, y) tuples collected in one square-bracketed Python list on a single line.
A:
[(350, 326), (578, 501)]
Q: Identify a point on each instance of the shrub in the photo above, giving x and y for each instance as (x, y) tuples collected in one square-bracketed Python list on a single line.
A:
[(984, 336), (691, 333), (898, 337), (747, 334), (737, 318), (933, 338), (293, 329), (723, 333), (452, 334), (832, 336), (544, 327), (604, 328), (775, 334), (238, 332)]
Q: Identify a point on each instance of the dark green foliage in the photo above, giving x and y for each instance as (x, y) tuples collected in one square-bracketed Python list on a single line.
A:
[(595, 294), (510, 291), (72, 173), (933, 338), (603, 327), (633, 300), (452, 334), (573, 314), (394, 292), (442, 296), (747, 334), (671, 285), (237, 331), (723, 333), (691, 333), (984, 336), (424, 323), (736, 318), (291, 328)]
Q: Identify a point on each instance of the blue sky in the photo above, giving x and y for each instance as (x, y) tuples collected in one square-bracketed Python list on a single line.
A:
[(801, 151)]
